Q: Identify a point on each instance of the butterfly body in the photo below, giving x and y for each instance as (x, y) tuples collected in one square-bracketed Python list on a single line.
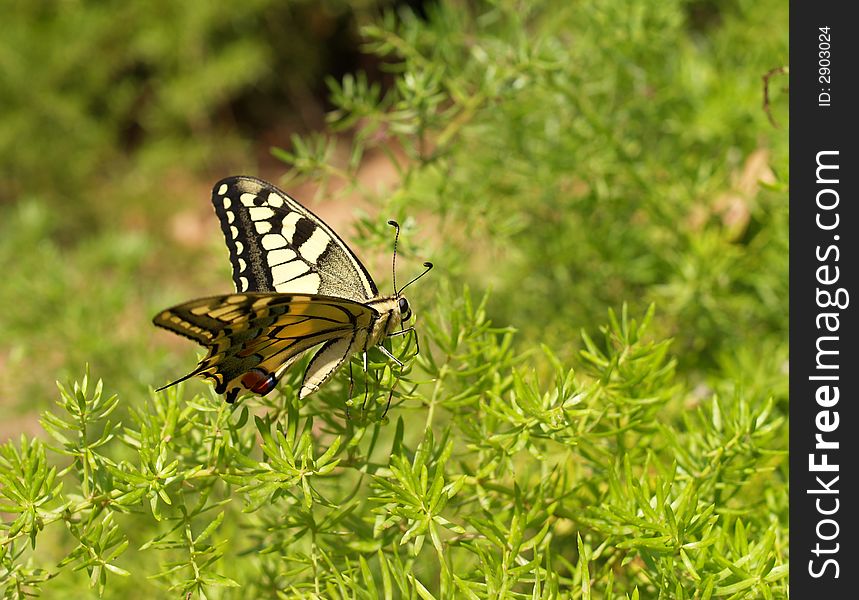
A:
[(298, 288)]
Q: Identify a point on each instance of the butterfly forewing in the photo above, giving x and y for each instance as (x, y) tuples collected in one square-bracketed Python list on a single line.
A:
[(277, 245)]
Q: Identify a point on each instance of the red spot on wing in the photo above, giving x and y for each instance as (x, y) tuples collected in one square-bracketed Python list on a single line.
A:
[(259, 382)]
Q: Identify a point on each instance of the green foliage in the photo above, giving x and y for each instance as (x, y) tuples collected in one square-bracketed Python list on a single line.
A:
[(517, 486), (601, 162), (81, 78), (95, 93), (558, 159)]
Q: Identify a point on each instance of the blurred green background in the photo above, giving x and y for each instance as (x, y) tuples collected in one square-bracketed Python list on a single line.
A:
[(567, 156)]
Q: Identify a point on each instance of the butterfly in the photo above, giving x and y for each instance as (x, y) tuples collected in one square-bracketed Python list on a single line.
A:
[(299, 287)]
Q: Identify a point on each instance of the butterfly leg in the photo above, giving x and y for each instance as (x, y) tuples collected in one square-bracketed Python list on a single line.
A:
[(390, 396), (384, 350), (351, 387), (366, 383), (401, 332), (414, 332), (387, 353)]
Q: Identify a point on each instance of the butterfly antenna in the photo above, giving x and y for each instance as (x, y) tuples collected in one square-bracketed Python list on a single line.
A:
[(428, 266), (395, 225)]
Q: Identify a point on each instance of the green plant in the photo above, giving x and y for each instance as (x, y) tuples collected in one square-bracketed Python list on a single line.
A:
[(515, 487)]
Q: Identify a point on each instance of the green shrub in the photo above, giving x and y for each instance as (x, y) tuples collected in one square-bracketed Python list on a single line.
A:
[(514, 487)]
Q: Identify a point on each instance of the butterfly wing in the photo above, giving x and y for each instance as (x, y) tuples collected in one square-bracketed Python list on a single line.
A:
[(252, 338), (277, 245)]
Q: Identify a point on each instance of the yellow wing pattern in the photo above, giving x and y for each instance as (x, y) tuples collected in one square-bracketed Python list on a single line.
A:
[(252, 338)]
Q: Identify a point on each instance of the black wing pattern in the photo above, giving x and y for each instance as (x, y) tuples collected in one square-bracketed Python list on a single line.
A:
[(261, 334), (277, 245)]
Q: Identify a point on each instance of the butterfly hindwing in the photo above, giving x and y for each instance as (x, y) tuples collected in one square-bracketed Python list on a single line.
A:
[(277, 245), (252, 338), (325, 362)]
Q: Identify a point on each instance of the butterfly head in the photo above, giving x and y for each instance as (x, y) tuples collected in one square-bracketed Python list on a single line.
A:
[(405, 309)]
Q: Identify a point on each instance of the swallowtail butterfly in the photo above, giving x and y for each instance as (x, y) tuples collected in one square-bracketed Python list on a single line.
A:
[(298, 287)]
